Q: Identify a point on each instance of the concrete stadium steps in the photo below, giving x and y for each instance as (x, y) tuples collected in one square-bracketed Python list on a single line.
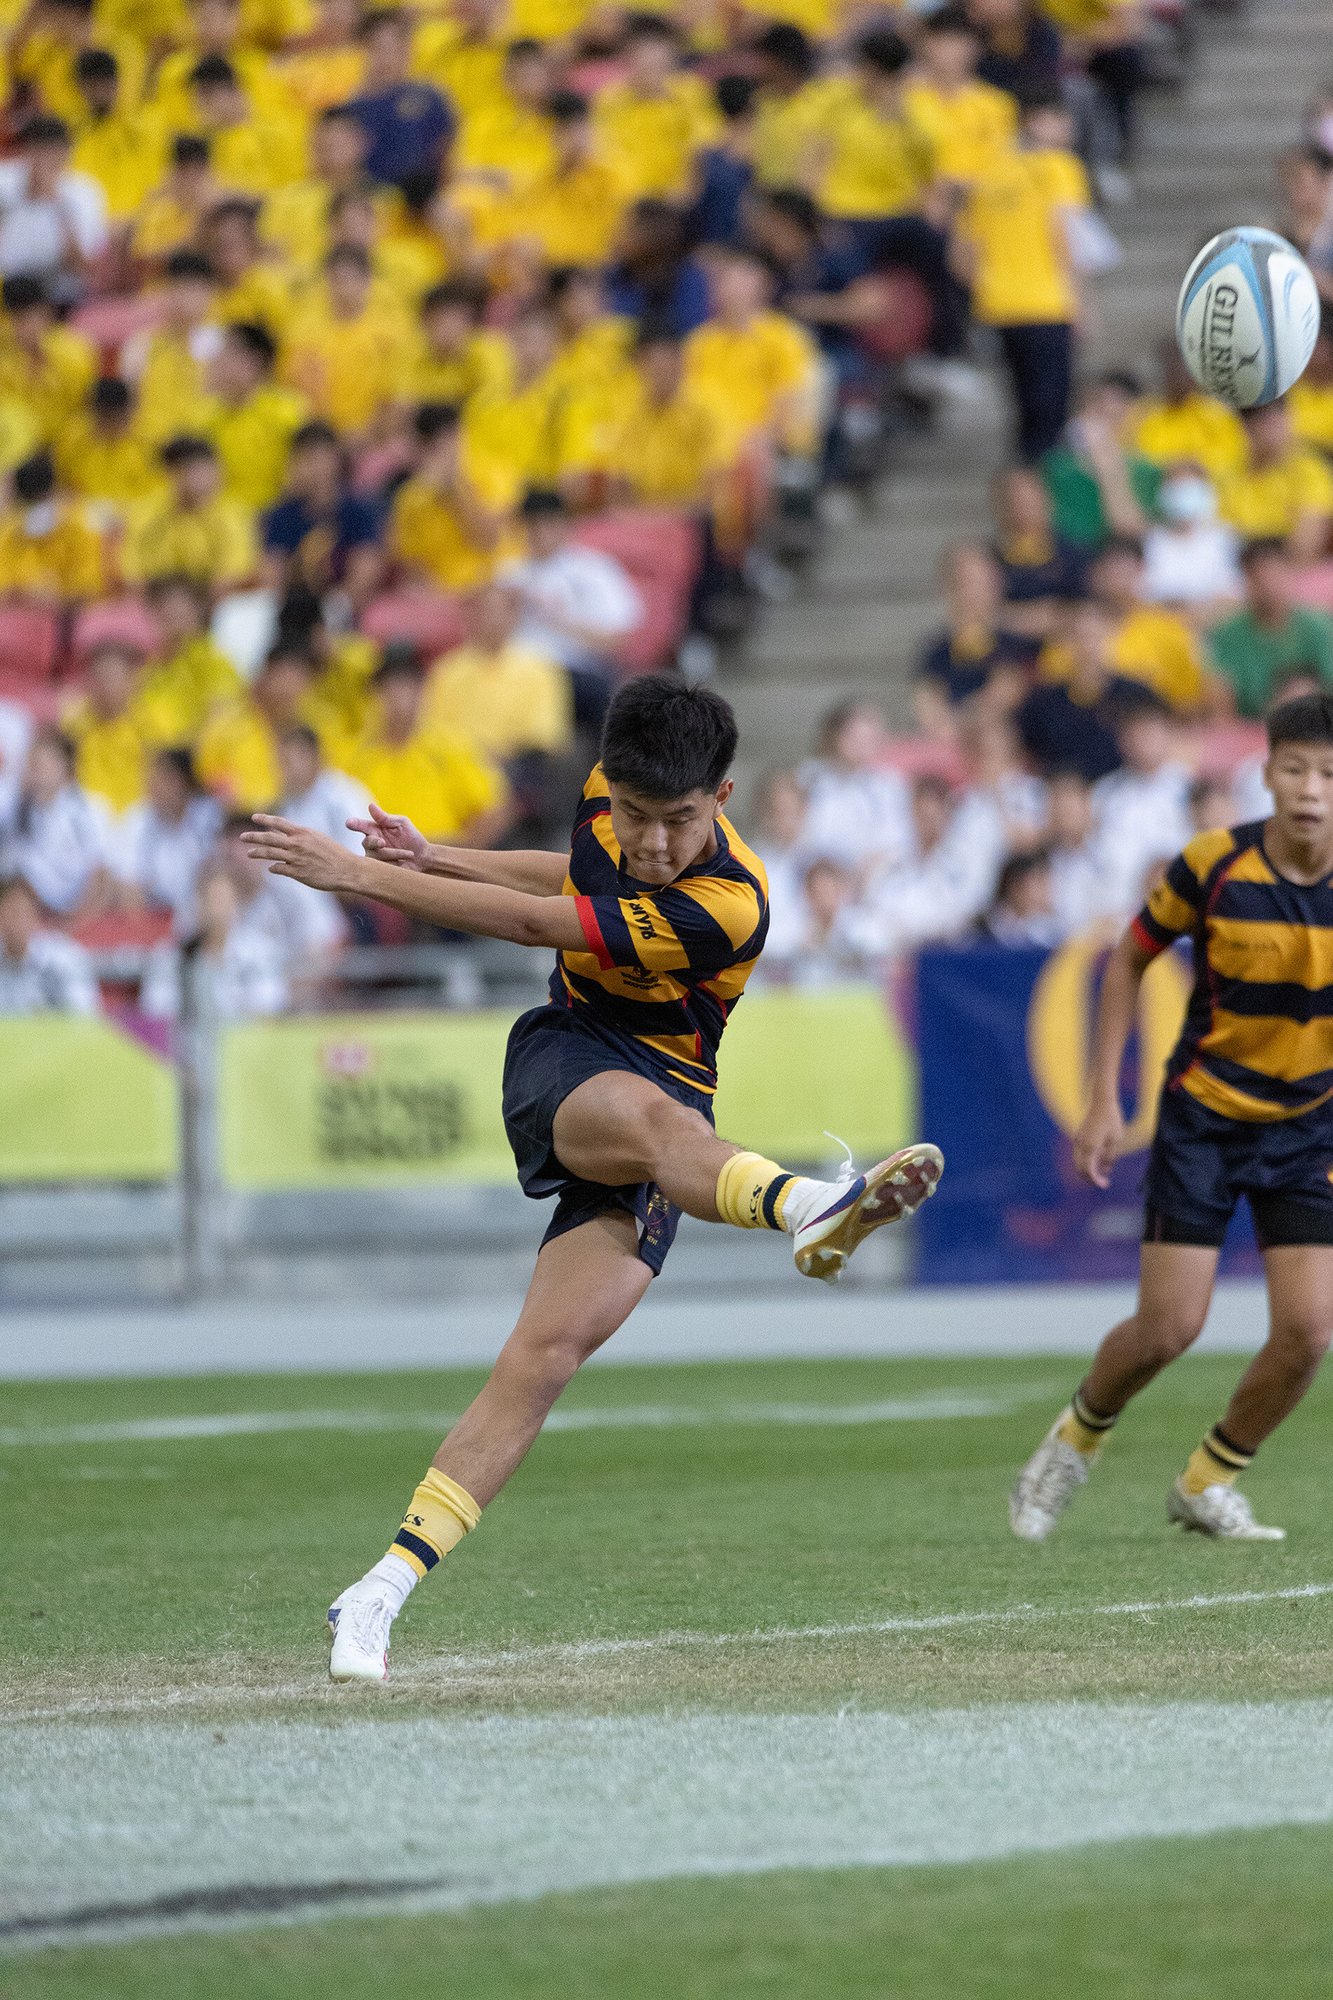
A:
[(1206, 162)]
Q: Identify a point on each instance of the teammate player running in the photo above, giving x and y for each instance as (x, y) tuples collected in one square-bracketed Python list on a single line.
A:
[(1247, 1110), (658, 916)]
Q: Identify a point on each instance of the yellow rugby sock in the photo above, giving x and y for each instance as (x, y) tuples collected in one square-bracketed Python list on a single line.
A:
[(1214, 1462), (439, 1514), (1084, 1428), (752, 1191)]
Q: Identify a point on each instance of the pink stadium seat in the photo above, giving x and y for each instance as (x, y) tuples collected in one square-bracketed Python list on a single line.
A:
[(660, 552), (29, 641), (109, 323), (432, 621), (124, 621), (40, 698), (377, 466), (903, 323), (119, 930), (590, 78), (1222, 746), (922, 757), (1314, 585)]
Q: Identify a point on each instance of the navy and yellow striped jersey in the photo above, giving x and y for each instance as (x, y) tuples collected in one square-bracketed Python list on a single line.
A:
[(1258, 1036), (664, 966)]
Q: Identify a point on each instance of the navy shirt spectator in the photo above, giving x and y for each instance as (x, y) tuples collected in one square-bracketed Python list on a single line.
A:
[(407, 123), (1019, 50), (727, 170), (318, 534), (1070, 725), (653, 278), (814, 264)]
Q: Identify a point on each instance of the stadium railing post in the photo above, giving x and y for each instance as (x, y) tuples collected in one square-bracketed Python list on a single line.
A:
[(201, 1252)]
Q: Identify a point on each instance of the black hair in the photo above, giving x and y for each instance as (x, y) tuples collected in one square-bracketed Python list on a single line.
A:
[(184, 449), (526, 45), (111, 397), (1018, 868), (795, 206), (1307, 719), (400, 661), (185, 264), (1037, 94), (376, 18), (338, 114), (666, 739), (257, 341), (45, 131), (213, 73), (949, 20), (566, 107), (542, 503), (180, 579), (646, 27), (1135, 701), (181, 761), (234, 208), (786, 44), (465, 292), (35, 479), (315, 432), (190, 149), (435, 420), (656, 333), (1261, 548), (302, 733), (96, 66), (735, 95), (23, 292), (1120, 545), (348, 253), (292, 649), (1123, 379), (883, 50), (300, 616)]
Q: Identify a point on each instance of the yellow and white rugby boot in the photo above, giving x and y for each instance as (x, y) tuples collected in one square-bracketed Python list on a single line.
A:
[(845, 1211), (359, 1622), (1219, 1511)]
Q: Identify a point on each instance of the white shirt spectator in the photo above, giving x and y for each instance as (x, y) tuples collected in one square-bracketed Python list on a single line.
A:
[(327, 805), (1250, 792), (785, 868), (1140, 819), (582, 585), (59, 847), (247, 978), (54, 975), (15, 736), (161, 858), (857, 816), (1079, 890), (34, 233), (1192, 566)]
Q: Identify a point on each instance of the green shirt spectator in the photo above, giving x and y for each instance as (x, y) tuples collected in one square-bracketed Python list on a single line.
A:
[(1273, 636), (1079, 511)]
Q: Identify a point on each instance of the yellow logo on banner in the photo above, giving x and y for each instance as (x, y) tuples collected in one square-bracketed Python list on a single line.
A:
[(1060, 1032)]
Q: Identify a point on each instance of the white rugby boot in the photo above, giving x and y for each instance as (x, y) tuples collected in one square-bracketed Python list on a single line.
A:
[(860, 1203), (1219, 1511), (359, 1622), (1046, 1485)]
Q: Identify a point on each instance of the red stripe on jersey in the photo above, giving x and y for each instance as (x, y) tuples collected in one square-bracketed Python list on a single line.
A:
[(592, 930), (1146, 938)]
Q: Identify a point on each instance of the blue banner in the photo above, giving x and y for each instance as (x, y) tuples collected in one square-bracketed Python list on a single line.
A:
[(1003, 1037)]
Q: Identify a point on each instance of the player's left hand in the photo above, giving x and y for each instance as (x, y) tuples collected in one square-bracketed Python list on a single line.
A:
[(297, 851)]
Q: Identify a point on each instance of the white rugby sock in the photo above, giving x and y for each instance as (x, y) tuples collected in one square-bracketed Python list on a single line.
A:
[(395, 1579), (804, 1199)]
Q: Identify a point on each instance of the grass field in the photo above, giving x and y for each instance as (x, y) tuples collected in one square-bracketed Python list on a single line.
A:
[(742, 1688)]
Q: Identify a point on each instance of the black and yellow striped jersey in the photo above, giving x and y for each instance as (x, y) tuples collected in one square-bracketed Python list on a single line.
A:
[(1258, 1036), (664, 966)]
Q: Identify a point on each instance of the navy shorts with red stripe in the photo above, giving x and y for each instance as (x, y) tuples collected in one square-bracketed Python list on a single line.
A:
[(550, 1053), (1201, 1164)]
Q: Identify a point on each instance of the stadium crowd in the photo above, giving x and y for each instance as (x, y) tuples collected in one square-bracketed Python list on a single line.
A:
[(376, 386)]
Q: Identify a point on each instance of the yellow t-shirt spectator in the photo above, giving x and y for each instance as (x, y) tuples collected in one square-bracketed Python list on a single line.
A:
[(262, 294), (507, 139), (179, 693), (237, 756), (519, 430), (173, 388), (52, 383), (1013, 219), (483, 366), (314, 79), (503, 702), (468, 68), (47, 63), (1200, 430), (1272, 502), (111, 754), (573, 216), (666, 453), (1311, 407), (111, 472), (1151, 646), (63, 560), (867, 164), (215, 543), (763, 376), (969, 131), (252, 440), (125, 154), (786, 129), (348, 369), (427, 533), (651, 141), (436, 779)]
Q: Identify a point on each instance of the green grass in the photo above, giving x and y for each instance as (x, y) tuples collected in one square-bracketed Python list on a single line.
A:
[(204, 1565)]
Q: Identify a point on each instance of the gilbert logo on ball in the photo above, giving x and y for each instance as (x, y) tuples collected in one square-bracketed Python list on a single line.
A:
[(1248, 317)]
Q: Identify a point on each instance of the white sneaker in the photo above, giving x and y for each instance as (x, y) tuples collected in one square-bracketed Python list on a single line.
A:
[(1046, 1485), (359, 1624), (862, 1202), (1219, 1511)]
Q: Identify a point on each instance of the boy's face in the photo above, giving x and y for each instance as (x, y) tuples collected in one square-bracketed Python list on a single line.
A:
[(950, 58), (661, 838), (1300, 777)]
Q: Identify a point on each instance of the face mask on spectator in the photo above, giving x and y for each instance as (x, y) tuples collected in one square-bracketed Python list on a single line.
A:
[(1184, 502), (41, 519)]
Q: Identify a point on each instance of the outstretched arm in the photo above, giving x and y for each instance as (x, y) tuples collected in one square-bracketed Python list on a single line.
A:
[(483, 909), (1099, 1138), (391, 837)]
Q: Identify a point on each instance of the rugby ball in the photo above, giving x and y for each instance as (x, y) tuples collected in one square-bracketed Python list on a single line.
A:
[(1248, 317)]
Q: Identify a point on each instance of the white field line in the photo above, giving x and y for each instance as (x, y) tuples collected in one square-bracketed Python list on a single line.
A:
[(633, 1416), (445, 1668), (145, 1828)]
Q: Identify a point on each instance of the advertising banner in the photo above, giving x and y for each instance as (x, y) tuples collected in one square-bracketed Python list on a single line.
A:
[(367, 1100), (82, 1101), (1003, 1038)]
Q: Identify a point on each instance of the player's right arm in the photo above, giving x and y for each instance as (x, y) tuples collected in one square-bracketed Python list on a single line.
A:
[(1098, 1141), (392, 837)]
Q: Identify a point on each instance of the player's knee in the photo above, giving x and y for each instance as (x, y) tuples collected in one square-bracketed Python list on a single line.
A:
[(551, 1356), (1302, 1343), (1165, 1333)]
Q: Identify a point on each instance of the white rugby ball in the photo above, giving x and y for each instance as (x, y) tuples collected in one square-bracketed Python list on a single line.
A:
[(1248, 317)]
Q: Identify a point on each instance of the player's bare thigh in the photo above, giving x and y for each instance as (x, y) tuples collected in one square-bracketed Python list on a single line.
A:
[(614, 1128)]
